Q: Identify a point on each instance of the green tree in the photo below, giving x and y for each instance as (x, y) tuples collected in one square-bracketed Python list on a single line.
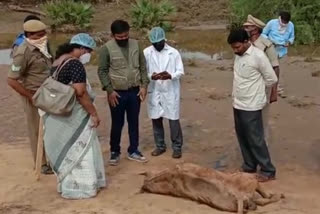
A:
[(69, 12), (146, 14)]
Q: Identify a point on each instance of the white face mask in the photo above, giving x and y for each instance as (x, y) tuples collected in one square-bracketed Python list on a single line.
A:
[(85, 58)]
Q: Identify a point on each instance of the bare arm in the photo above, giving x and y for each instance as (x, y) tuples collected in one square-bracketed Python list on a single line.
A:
[(84, 99)]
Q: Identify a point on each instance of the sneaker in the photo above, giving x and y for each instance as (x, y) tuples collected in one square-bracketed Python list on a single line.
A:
[(137, 156), (177, 154), (158, 152), (114, 159)]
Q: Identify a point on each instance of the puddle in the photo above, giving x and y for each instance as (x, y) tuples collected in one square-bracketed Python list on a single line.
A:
[(5, 58), (193, 44), (199, 55)]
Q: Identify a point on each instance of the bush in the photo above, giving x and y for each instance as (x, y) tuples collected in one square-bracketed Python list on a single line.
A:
[(146, 14), (305, 15), (69, 12)]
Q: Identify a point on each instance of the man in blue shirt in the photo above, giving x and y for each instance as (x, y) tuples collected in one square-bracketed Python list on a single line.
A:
[(281, 33)]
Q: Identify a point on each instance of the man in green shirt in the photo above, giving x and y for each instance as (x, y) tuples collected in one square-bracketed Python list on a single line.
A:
[(122, 72)]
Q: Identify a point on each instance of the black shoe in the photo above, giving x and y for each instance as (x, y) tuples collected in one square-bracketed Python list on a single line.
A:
[(250, 171), (114, 158), (46, 170), (158, 152), (177, 154)]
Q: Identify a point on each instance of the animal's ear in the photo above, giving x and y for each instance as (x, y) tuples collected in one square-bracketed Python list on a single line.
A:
[(181, 164), (145, 173)]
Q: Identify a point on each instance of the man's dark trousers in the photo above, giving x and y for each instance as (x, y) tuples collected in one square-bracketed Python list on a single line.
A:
[(129, 104), (249, 129), (175, 132)]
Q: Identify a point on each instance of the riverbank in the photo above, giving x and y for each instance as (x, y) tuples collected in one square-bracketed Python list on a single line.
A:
[(207, 123)]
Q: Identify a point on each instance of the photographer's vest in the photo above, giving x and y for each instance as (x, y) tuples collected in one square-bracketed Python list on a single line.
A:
[(124, 73)]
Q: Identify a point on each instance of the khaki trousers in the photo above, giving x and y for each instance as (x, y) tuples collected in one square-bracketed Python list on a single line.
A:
[(281, 83), (33, 119), (265, 116)]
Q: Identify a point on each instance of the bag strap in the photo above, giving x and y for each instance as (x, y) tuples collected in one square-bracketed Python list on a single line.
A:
[(56, 73)]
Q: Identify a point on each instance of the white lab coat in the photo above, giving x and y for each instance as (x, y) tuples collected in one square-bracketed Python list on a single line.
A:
[(164, 95)]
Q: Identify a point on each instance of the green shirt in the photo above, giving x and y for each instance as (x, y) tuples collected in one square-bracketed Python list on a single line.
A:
[(104, 65)]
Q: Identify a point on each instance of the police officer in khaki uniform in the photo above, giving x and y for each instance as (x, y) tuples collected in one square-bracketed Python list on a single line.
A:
[(254, 28), (30, 68)]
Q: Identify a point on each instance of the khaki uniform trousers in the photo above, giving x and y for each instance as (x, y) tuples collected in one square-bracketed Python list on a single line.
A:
[(33, 120)]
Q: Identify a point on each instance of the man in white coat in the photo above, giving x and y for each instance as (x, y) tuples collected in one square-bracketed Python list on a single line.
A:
[(165, 68)]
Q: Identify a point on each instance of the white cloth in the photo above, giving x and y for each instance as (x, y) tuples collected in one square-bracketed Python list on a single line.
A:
[(41, 44), (282, 27), (252, 74), (164, 95)]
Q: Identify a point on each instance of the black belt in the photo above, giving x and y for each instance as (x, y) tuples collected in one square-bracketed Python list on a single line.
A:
[(130, 89)]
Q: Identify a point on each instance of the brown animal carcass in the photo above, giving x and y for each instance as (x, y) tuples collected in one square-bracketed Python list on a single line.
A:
[(236, 192)]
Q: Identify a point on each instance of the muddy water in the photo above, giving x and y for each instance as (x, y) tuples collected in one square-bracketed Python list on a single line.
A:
[(5, 57), (193, 44)]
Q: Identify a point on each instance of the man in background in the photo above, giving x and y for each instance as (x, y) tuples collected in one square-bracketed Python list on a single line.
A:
[(281, 33), (254, 28)]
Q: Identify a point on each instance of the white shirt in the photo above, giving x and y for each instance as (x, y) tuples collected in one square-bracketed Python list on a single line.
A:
[(252, 74), (164, 95)]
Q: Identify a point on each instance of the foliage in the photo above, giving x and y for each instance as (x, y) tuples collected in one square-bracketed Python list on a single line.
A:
[(89, 1), (146, 14), (305, 15), (69, 12)]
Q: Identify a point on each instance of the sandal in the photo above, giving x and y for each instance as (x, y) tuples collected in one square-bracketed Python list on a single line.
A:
[(46, 170), (264, 178)]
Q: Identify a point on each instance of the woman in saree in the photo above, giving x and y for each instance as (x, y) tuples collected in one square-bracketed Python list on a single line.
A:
[(71, 142)]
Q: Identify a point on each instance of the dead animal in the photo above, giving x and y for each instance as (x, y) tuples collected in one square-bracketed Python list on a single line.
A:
[(233, 192)]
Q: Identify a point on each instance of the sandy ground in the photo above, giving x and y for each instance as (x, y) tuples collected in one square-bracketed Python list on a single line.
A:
[(207, 123)]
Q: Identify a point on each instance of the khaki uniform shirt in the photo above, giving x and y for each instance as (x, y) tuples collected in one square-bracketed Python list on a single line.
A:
[(269, 49), (252, 74), (29, 66)]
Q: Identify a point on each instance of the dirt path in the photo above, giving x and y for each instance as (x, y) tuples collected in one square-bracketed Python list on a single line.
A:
[(209, 137)]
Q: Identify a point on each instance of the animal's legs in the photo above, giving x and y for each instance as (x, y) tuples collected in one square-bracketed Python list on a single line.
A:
[(240, 206)]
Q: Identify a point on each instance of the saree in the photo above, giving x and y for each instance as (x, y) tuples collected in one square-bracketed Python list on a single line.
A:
[(73, 150)]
